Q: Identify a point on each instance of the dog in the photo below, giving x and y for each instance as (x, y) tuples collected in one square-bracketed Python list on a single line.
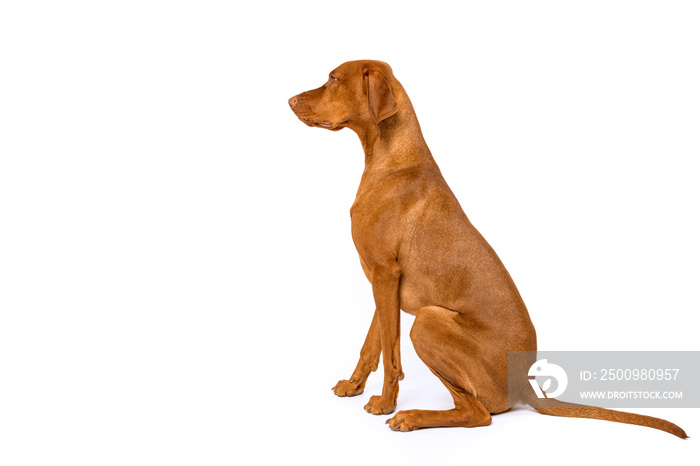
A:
[(422, 255)]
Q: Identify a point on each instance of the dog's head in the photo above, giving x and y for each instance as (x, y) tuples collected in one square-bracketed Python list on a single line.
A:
[(356, 94)]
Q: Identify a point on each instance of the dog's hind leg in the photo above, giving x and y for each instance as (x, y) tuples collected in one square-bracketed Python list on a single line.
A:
[(441, 339)]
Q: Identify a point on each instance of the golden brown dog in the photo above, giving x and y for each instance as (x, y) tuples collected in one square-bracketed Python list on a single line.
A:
[(421, 254)]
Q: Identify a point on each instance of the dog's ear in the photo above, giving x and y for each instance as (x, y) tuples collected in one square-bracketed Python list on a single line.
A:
[(379, 96)]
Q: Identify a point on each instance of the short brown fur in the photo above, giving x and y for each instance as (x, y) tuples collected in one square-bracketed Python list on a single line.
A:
[(421, 254)]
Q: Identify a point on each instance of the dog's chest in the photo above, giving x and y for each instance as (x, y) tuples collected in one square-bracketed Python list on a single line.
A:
[(375, 228)]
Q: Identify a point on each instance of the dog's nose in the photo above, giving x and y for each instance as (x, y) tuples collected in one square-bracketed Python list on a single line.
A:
[(293, 101)]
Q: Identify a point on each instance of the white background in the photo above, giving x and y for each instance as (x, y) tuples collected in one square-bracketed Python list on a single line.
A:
[(178, 284)]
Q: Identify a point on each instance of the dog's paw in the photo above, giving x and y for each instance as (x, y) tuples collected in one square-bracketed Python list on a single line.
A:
[(403, 421), (350, 387), (380, 405)]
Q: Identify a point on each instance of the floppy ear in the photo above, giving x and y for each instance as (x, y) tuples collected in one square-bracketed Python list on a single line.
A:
[(381, 101)]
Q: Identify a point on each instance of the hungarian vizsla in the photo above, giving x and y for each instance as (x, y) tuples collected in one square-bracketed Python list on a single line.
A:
[(422, 255)]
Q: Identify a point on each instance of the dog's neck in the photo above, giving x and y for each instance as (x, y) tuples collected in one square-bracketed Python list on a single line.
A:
[(397, 142)]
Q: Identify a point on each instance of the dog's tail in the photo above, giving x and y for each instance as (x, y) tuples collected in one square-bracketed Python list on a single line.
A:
[(560, 408)]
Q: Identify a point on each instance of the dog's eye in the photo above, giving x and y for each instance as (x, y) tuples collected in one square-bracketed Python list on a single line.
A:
[(333, 79)]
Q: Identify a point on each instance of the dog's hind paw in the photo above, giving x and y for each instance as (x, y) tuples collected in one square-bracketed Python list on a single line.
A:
[(403, 421)]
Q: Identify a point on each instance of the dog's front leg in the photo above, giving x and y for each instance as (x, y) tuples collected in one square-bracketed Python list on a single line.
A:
[(369, 361), (385, 287)]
